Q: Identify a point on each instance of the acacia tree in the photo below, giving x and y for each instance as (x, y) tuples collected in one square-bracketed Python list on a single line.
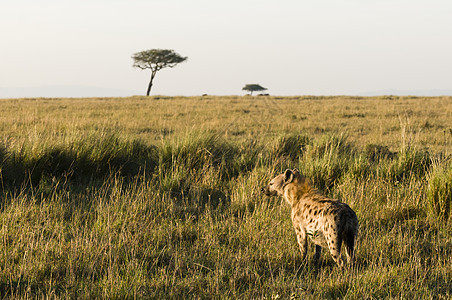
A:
[(253, 88), (156, 59)]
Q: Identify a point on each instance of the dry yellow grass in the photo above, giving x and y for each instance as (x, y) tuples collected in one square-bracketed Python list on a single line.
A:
[(382, 120), (159, 197)]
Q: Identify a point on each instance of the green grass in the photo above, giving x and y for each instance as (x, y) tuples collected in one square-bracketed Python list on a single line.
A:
[(160, 197), (439, 191)]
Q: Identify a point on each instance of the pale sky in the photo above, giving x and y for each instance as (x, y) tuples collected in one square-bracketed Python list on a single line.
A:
[(291, 47)]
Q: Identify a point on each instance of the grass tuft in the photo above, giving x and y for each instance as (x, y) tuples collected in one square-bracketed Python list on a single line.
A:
[(439, 191), (327, 160)]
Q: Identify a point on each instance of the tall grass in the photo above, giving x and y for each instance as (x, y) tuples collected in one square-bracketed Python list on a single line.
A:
[(439, 191), (94, 213), (83, 160)]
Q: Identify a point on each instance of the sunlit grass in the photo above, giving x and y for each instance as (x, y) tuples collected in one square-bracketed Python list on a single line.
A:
[(160, 197)]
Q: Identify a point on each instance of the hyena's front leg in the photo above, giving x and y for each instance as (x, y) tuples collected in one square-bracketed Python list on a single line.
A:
[(302, 240)]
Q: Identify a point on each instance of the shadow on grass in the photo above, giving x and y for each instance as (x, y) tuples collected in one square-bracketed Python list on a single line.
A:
[(10, 290), (80, 162)]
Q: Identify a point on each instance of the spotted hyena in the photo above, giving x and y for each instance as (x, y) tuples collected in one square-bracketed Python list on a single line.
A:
[(327, 222)]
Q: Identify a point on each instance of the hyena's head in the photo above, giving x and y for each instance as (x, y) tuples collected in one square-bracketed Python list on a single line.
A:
[(277, 185)]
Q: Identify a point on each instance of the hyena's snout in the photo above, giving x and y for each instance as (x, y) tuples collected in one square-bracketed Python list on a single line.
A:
[(267, 192)]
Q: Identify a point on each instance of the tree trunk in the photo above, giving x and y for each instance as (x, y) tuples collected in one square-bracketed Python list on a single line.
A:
[(150, 83), (149, 88)]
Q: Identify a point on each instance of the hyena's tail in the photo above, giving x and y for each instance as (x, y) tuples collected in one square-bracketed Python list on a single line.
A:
[(349, 236)]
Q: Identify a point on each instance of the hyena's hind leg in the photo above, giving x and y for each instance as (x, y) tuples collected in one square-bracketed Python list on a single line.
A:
[(318, 251), (334, 245)]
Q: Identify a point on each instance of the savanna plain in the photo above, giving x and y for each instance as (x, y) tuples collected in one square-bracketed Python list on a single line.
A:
[(159, 197)]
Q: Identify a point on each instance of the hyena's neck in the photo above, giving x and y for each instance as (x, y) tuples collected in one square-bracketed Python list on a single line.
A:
[(296, 191)]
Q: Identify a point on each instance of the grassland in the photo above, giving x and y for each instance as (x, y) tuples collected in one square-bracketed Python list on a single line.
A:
[(159, 197)]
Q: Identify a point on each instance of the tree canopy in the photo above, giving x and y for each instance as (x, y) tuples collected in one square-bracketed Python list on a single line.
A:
[(156, 59), (253, 88)]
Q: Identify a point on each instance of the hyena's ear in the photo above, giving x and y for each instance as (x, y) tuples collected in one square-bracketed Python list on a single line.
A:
[(288, 176), (296, 174)]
